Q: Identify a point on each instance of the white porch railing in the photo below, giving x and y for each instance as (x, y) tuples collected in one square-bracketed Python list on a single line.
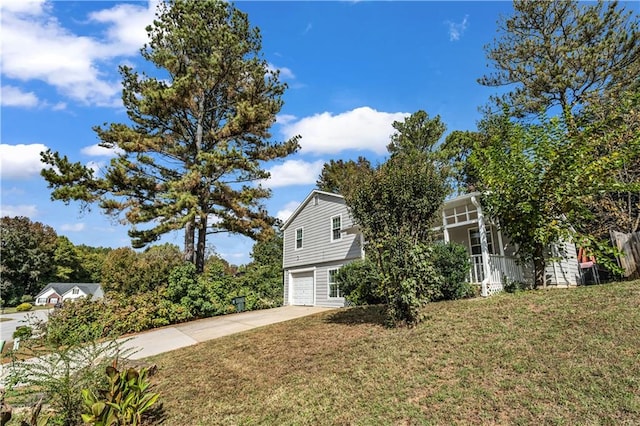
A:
[(500, 267)]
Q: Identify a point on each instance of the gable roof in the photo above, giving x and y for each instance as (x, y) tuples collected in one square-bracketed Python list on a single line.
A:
[(95, 289), (305, 202)]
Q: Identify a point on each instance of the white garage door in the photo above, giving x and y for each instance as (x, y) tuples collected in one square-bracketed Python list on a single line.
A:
[(302, 288)]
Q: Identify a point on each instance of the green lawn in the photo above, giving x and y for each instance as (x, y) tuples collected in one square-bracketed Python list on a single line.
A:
[(544, 357)]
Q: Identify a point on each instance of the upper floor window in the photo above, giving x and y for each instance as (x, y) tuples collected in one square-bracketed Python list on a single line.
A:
[(336, 228), (299, 238), (75, 291)]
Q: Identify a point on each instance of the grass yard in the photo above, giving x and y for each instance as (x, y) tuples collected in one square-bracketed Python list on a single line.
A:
[(545, 357)]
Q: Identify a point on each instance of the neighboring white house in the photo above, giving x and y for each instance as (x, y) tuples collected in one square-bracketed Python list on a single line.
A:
[(320, 237), (62, 292)]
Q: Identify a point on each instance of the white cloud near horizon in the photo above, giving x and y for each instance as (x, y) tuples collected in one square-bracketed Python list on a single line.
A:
[(457, 29), (73, 227), (294, 172), (27, 210), (287, 210), (20, 161), (362, 128), (35, 46), (12, 96)]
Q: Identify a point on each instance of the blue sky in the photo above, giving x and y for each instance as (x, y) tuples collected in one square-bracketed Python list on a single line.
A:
[(352, 69)]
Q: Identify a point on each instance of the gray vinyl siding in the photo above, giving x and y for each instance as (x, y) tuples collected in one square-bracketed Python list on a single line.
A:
[(319, 253), (317, 247), (321, 284), (563, 272)]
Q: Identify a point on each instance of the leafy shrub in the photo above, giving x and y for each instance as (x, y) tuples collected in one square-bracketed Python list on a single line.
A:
[(124, 401), (452, 263), (60, 376), (83, 320), (514, 286), (359, 282), (26, 299), (409, 279), (23, 332), (23, 307)]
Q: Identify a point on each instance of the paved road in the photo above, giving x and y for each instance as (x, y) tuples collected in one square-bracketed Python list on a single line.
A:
[(17, 319)]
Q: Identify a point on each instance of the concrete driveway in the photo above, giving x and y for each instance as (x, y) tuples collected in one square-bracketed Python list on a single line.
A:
[(169, 338), (19, 319)]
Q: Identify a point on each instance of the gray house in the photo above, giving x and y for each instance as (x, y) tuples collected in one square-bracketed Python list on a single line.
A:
[(316, 244), (320, 237)]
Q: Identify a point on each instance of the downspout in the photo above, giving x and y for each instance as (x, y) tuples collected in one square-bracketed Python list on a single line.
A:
[(445, 230), (484, 247)]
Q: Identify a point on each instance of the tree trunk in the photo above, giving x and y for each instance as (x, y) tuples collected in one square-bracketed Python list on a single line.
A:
[(539, 268), (202, 244), (189, 238)]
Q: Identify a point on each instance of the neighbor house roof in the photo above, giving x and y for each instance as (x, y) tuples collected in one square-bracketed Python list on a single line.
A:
[(95, 289)]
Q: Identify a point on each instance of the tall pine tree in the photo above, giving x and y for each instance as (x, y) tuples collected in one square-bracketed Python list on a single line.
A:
[(197, 137)]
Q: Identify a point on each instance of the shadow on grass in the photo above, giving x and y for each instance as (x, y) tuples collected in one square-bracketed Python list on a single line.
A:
[(372, 314)]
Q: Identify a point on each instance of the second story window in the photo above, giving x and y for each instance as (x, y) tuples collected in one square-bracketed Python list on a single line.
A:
[(75, 291), (336, 228), (299, 238)]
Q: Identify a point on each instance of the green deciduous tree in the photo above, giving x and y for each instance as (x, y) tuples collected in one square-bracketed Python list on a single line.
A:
[(562, 53), (198, 133), (614, 126), (339, 176), (263, 276), (396, 207), (27, 257), (418, 132), (129, 273), (539, 179), (66, 260)]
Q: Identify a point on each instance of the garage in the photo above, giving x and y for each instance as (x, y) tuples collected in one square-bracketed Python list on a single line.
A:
[(302, 288)]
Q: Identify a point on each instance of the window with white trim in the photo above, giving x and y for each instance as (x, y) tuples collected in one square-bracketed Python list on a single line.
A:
[(298, 238), (474, 241), (336, 228), (334, 287), (75, 291)]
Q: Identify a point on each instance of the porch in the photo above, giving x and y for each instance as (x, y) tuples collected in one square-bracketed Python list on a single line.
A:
[(492, 256), (501, 268)]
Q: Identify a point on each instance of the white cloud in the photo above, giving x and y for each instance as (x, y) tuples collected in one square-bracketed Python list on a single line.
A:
[(362, 128), (456, 30), (99, 151), (127, 26), (294, 172), (287, 210), (20, 161), (96, 166), (29, 7), (73, 227), (35, 46), (284, 71), (285, 118), (14, 97), (28, 210)]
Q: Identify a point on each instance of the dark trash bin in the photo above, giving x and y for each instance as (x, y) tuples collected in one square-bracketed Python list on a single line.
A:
[(238, 302)]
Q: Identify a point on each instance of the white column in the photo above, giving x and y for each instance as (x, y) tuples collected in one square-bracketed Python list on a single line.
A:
[(484, 247), (445, 231)]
